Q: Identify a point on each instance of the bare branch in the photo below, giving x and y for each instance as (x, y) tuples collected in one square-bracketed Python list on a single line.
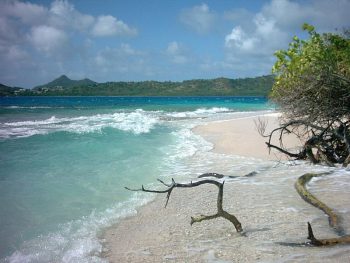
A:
[(260, 125), (220, 211), (212, 175)]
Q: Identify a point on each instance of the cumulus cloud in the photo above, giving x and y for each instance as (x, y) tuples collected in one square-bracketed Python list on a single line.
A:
[(39, 38), (110, 26), (264, 40), (19, 18), (253, 42), (27, 12), (47, 38), (63, 15), (198, 18), (325, 15), (238, 39)]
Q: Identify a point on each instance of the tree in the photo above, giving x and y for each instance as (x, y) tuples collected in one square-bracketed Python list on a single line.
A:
[(312, 90)]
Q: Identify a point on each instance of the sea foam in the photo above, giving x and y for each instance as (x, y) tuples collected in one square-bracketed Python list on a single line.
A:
[(76, 241), (136, 122)]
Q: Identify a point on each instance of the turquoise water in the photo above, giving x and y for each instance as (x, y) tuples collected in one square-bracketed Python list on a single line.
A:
[(64, 163)]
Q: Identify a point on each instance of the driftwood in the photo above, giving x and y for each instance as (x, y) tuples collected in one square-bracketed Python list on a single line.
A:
[(220, 176), (327, 241), (300, 185), (220, 211), (334, 219)]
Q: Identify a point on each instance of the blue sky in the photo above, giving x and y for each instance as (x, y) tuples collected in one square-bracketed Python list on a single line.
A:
[(133, 40)]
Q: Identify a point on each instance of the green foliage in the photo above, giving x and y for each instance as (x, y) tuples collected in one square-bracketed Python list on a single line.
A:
[(312, 77)]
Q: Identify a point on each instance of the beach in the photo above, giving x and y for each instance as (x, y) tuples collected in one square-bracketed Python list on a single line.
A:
[(241, 137), (65, 162), (272, 214)]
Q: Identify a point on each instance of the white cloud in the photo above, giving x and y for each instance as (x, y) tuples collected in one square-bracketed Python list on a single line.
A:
[(63, 15), (18, 18), (110, 26), (273, 28), (288, 14), (198, 18), (177, 53), (238, 39), (27, 12), (324, 14), (278, 21), (47, 39)]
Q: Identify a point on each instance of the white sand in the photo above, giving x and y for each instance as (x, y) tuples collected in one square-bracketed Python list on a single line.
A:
[(240, 137), (267, 205)]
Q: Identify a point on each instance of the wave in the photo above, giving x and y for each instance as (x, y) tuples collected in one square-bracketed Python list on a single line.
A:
[(201, 112), (76, 241), (29, 107), (137, 122), (198, 113)]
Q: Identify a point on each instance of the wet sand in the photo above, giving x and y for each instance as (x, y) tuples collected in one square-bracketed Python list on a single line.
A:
[(270, 210)]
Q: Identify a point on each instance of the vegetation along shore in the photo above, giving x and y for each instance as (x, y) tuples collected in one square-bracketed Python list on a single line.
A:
[(63, 86)]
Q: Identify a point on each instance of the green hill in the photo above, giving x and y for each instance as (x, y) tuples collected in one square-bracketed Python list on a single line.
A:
[(63, 86), (63, 82), (9, 91)]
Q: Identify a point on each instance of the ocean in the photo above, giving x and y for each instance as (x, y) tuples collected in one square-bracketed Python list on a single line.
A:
[(64, 162)]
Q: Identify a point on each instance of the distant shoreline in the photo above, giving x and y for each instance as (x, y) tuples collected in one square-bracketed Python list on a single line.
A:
[(136, 96), (63, 86)]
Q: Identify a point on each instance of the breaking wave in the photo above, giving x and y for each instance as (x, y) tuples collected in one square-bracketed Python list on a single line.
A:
[(137, 122)]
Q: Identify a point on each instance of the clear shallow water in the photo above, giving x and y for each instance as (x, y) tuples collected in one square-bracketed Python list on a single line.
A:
[(64, 163)]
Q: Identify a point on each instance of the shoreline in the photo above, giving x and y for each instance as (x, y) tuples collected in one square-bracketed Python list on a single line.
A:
[(267, 213), (240, 137)]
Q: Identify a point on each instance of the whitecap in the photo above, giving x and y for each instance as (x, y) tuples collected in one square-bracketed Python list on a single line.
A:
[(136, 122)]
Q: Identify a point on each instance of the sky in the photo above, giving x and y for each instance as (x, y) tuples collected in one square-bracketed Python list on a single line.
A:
[(163, 40)]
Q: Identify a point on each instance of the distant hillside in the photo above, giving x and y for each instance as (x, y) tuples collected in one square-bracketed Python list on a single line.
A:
[(64, 82), (9, 91), (63, 86)]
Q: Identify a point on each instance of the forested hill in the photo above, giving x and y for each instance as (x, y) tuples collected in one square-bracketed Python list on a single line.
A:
[(63, 86), (9, 91), (65, 82)]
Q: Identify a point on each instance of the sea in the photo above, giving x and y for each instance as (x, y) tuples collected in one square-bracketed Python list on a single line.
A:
[(64, 163)]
